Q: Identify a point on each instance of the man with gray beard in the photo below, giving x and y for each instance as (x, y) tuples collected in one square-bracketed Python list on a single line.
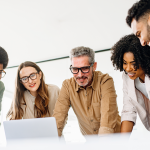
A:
[(90, 93)]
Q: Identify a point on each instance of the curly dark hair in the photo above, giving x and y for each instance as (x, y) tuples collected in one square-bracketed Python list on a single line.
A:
[(130, 43), (138, 10), (3, 57)]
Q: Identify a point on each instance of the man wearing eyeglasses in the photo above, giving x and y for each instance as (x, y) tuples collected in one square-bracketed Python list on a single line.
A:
[(90, 93), (3, 65)]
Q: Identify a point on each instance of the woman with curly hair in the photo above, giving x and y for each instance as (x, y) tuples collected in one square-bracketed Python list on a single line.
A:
[(129, 56), (33, 98)]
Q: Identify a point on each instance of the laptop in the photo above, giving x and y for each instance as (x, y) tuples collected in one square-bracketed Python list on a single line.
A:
[(31, 128)]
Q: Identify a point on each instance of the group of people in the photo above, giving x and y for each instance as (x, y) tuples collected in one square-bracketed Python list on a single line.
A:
[(91, 93)]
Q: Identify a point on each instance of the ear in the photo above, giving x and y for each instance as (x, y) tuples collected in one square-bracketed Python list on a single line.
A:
[(94, 66), (40, 74), (148, 20)]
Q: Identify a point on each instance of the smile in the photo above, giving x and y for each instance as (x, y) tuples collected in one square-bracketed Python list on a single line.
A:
[(32, 85), (131, 74)]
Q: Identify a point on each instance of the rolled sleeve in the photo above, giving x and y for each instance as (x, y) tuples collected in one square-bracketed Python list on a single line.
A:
[(129, 112), (61, 107), (105, 130), (109, 108)]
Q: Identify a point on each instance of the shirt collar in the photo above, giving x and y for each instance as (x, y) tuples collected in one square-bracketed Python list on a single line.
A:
[(93, 84)]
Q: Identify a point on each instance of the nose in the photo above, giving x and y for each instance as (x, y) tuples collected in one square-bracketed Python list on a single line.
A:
[(128, 68), (30, 80), (143, 43), (80, 73)]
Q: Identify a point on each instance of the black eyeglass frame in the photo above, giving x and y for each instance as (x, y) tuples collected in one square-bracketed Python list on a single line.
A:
[(29, 77), (81, 68), (2, 71)]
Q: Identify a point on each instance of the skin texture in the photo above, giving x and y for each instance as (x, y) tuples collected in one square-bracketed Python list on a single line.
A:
[(141, 29), (26, 71), (126, 126), (83, 79), (1, 68), (128, 66)]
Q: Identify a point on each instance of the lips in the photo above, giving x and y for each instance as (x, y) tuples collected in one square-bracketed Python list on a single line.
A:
[(32, 85), (130, 74), (81, 79)]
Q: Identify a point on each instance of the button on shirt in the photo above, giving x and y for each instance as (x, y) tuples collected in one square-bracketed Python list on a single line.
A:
[(95, 107)]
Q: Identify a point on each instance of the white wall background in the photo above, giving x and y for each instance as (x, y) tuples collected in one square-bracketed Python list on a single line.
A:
[(42, 29)]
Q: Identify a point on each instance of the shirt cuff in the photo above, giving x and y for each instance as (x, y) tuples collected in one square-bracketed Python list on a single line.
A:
[(128, 118), (105, 130)]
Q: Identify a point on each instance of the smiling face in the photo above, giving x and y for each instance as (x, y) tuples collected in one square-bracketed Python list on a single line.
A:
[(83, 79), (128, 66), (141, 29), (31, 85)]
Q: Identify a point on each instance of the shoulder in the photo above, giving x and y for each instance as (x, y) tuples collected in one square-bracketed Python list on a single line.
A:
[(52, 88), (2, 87), (103, 77), (69, 82), (125, 78)]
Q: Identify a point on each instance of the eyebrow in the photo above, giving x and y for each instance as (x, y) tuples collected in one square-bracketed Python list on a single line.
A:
[(130, 62), (27, 76)]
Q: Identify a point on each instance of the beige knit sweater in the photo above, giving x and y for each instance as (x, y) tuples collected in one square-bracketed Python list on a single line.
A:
[(28, 108)]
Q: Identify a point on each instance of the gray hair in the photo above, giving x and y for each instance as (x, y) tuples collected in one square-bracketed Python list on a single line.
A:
[(83, 51)]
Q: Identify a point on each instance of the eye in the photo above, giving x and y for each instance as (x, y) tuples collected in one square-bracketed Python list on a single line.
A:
[(124, 63), (85, 68), (24, 79), (138, 34), (74, 69), (32, 75)]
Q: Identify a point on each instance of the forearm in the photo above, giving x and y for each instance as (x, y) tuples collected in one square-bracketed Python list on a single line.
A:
[(126, 126), (110, 118)]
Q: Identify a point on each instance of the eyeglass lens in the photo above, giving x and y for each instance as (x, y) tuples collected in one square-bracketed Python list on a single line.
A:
[(26, 79), (2, 73), (83, 69)]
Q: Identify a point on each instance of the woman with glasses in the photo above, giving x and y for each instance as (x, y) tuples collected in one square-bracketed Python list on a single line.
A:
[(33, 98), (134, 60)]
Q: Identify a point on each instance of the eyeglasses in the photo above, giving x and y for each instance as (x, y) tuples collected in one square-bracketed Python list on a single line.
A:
[(2, 73), (84, 69), (32, 76)]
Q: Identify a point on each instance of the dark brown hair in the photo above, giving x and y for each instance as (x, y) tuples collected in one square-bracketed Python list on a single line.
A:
[(138, 10), (41, 101), (3, 57)]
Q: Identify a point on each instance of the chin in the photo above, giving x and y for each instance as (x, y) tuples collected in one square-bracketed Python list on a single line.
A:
[(83, 84), (33, 89), (132, 78)]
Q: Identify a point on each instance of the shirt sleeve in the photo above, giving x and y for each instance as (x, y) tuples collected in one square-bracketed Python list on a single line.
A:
[(61, 107), (2, 88), (129, 112), (109, 108)]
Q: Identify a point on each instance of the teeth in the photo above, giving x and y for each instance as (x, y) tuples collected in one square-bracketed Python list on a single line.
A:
[(131, 74), (32, 85)]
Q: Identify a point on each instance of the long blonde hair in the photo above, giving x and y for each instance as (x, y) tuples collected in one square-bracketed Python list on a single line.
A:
[(41, 101)]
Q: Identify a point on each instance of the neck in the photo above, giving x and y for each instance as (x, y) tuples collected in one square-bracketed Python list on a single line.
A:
[(88, 84), (142, 78), (33, 93)]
